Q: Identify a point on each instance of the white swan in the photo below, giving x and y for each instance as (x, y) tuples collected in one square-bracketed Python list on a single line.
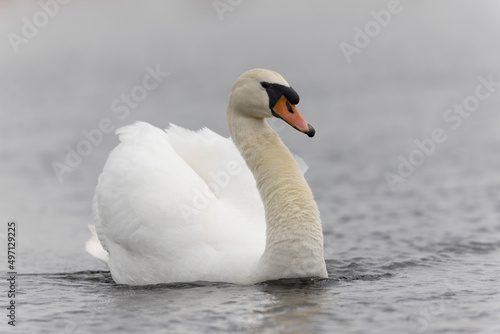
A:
[(182, 206)]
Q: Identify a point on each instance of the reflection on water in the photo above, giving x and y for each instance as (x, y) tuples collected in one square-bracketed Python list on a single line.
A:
[(295, 305)]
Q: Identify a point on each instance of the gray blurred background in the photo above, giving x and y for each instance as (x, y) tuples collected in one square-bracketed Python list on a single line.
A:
[(366, 112)]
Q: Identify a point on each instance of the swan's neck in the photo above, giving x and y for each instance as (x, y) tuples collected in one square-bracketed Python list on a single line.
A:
[(294, 238)]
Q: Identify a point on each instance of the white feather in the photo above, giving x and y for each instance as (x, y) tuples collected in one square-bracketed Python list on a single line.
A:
[(180, 206)]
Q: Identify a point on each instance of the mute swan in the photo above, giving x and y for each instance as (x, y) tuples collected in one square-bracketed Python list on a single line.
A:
[(182, 206)]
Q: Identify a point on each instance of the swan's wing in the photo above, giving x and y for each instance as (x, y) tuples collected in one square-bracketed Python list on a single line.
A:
[(157, 213), (219, 163)]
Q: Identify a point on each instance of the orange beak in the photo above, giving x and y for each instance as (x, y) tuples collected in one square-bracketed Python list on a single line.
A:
[(286, 111)]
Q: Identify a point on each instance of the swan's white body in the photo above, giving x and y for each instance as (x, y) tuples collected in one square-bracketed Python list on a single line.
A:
[(182, 206)]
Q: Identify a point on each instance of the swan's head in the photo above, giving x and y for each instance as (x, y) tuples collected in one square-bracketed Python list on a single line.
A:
[(263, 93)]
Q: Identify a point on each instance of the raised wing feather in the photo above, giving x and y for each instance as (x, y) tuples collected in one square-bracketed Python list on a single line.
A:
[(170, 200)]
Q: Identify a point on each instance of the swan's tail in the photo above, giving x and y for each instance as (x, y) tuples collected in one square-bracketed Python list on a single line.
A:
[(94, 247)]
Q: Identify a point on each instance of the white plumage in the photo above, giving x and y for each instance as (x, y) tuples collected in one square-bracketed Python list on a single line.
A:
[(181, 206)]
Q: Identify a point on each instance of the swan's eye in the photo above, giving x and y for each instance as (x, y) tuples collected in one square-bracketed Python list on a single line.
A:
[(265, 85)]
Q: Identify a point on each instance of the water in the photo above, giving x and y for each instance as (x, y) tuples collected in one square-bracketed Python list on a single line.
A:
[(421, 259)]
